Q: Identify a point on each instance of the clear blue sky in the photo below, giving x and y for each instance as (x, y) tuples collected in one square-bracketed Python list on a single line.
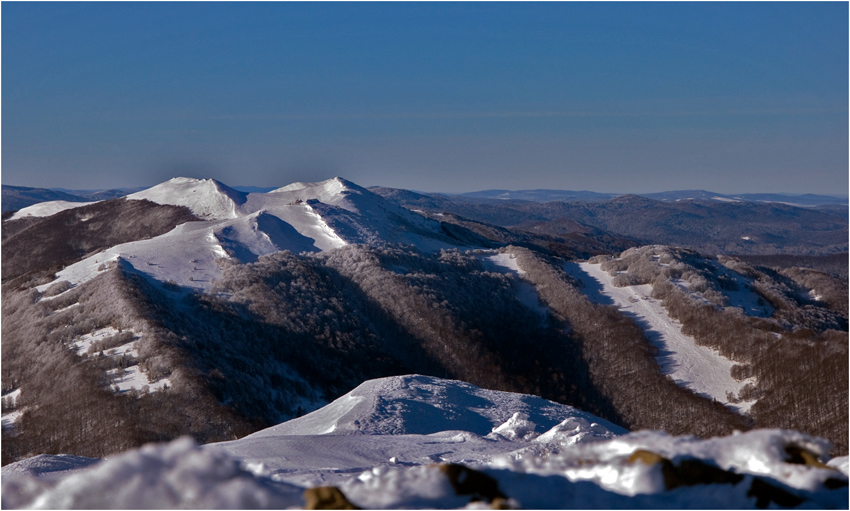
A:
[(611, 97)]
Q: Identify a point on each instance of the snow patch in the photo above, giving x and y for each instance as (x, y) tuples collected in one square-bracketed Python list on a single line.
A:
[(123, 379), (12, 413), (507, 261), (81, 271), (82, 344), (517, 427), (132, 378)]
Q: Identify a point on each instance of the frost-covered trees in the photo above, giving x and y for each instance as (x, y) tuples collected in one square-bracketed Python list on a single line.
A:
[(797, 356)]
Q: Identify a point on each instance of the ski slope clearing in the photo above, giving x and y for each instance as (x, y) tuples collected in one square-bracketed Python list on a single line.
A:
[(47, 208), (526, 292), (698, 368), (300, 218), (379, 444)]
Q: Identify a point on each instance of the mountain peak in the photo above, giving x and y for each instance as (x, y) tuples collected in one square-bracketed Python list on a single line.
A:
[(331, 186), (206, 198)]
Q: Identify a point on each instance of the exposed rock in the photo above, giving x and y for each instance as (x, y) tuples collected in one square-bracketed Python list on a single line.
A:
[(326, 497), (466, 481)]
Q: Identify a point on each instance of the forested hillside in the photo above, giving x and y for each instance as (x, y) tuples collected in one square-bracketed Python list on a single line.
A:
[(797, 357)]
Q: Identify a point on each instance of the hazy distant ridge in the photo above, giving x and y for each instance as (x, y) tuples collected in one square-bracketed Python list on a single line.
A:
[(546, 195)]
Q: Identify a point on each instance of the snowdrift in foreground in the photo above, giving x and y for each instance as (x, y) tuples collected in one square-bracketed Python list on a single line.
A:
[(421, 442), (167, 476)]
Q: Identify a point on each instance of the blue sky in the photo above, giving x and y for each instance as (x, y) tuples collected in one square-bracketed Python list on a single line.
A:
[(454, 97)]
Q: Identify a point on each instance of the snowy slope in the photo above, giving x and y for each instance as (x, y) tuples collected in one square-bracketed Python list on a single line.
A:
[(47, 208), (379, 444), (206, 198), (699, 368), (357, 215)]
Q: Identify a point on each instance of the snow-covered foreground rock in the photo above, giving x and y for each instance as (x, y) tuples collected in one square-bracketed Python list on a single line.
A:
[(416, 441)]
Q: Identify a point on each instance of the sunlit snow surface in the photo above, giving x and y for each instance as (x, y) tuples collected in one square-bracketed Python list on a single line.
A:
[(205, 198), (47, 208), (699, 368), (380, 442)]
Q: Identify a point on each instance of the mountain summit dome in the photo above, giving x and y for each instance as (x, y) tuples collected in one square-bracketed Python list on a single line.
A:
[(208, 199)]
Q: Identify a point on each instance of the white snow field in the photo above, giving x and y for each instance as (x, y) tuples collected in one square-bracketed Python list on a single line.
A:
[(698, 368), (386, 444), (205, 198), (47, 208), (300, 217)]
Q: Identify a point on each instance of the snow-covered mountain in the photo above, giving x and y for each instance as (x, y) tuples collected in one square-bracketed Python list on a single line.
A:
[(416, 441), (802, 200), (298, 217), (208, 199), (195, 308)]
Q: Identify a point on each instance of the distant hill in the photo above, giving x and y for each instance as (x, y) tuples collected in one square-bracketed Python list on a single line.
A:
[(18, 197), (712, 226), (545, 195), (540, 195)]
